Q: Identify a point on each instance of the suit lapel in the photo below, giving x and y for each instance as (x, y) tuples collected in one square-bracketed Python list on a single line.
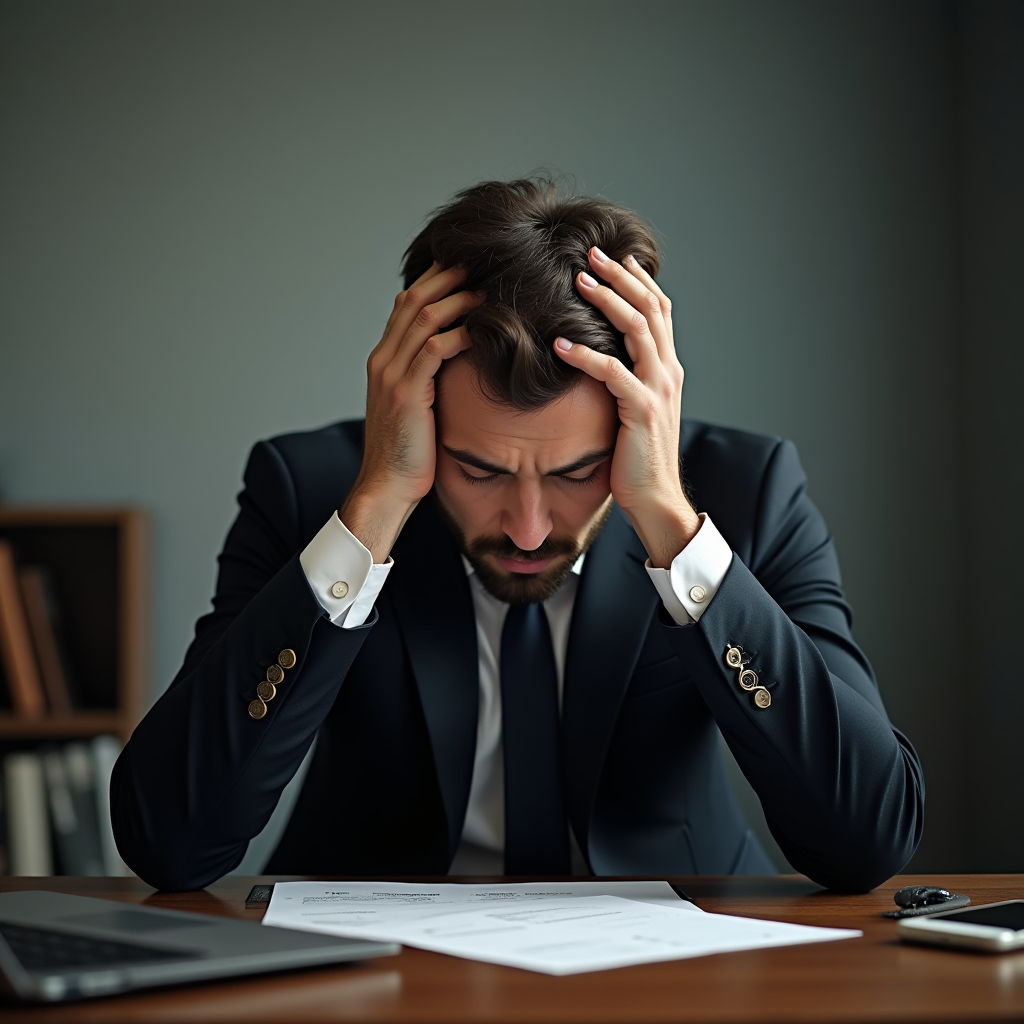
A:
[(610, 619), (434, 610)]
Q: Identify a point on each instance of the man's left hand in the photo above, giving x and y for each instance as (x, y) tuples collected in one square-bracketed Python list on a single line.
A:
[(645, 478)]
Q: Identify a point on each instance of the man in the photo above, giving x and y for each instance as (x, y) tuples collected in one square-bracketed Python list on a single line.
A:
[(509, 626)]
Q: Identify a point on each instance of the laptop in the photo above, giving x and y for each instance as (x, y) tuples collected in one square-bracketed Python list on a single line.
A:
[(54, 947)]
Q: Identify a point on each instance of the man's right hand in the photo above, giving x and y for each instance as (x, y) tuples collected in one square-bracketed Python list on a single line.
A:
[(399, 451)]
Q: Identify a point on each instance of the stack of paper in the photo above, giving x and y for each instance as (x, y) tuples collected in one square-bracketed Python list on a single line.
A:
[(552, 927)]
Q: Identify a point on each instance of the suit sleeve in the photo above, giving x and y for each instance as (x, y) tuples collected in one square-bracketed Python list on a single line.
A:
[(842, 790), (200, 777)]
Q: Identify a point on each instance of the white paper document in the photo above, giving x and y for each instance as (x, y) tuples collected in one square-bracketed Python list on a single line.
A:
[(552, 927)]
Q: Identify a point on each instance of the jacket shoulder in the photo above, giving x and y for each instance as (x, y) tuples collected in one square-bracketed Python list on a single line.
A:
[(727, 472), (322, 465), (714, 456)]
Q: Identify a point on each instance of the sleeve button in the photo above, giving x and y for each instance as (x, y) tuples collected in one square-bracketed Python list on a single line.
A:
[(340, 589), (286, 659), (275, 674), (748, 679)]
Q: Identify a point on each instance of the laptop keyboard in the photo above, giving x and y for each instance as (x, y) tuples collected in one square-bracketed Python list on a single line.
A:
[(41, 950)]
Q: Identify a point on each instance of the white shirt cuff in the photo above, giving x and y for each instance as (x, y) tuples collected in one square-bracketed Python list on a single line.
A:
[(689, 584), (342, 574)]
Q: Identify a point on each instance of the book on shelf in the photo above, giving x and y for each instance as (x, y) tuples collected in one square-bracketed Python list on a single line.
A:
[(57, 799), (28, 825), (5, 861), (44, 624), (22, 675), (5, 689), (73, 810)]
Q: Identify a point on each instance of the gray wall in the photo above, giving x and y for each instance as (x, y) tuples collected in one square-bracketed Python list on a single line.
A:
[(203, 205), (991, 149)]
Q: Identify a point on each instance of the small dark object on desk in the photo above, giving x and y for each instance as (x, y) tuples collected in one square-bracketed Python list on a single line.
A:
[(921, 896), (919, 900), (258, 895)]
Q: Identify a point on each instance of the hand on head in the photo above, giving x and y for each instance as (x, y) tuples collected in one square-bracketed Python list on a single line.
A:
[(645, 478), (399, 447)]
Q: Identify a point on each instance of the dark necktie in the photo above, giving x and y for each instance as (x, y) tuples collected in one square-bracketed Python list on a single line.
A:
[(536, 833)]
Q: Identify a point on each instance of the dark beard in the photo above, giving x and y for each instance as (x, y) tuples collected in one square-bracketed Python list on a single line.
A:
[(522, 587)]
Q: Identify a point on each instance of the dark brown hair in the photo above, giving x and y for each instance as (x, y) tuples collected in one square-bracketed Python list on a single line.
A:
[(522, 243)]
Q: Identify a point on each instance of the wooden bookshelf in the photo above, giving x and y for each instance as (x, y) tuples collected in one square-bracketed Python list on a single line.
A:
[(98, 561), (79, 725)]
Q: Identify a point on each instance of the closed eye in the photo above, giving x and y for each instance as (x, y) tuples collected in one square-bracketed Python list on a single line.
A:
[(477, 471), (581, 480), (486, 478)]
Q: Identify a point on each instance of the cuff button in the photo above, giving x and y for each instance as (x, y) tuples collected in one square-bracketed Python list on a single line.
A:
[(275, 674), (762, 698), (257, 709), (340, 589), (697, 594), (286, 659), (748, 680), (266, 692)]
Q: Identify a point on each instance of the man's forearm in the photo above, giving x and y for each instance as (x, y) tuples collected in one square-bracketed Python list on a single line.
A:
[(376, 518), (664, 529), (200, 776), (841, 789)]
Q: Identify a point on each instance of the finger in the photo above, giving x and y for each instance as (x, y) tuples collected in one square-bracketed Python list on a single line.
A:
[(634, 284), (640, 342), (630, 287), (435, 350), (632, 264), (430, 321), (612, 372), (432, 271), (408, 304)]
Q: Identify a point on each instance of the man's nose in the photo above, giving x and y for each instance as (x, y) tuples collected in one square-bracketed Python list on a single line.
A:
[(527, 520)]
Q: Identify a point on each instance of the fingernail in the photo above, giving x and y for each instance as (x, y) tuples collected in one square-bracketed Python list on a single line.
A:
[(563, 344), (630, 259), (598, 255), (587, 280)]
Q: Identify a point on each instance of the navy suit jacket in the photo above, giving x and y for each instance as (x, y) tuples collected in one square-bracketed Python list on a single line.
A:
[(395, 700)]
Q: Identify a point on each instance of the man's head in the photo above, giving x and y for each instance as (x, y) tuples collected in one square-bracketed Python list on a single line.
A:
[(524, 442), (522, 245)]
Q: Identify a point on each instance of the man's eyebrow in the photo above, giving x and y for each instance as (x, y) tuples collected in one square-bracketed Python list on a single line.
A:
[(461, 455), (587, 459)]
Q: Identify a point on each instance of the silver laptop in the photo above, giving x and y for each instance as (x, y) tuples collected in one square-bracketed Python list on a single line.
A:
[(54, 947)]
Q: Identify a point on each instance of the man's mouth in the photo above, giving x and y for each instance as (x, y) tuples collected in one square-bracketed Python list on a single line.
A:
[(523, 565)]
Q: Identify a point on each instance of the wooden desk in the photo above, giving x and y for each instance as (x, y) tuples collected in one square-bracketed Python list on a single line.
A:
[(874, 978)]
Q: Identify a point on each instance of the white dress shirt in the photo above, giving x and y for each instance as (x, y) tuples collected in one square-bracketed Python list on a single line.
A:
[(346, 582)]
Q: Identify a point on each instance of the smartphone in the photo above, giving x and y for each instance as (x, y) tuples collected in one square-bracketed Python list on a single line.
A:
[(992, 928)]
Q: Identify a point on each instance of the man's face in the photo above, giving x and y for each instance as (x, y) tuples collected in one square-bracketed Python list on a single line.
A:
[(524, 492)]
